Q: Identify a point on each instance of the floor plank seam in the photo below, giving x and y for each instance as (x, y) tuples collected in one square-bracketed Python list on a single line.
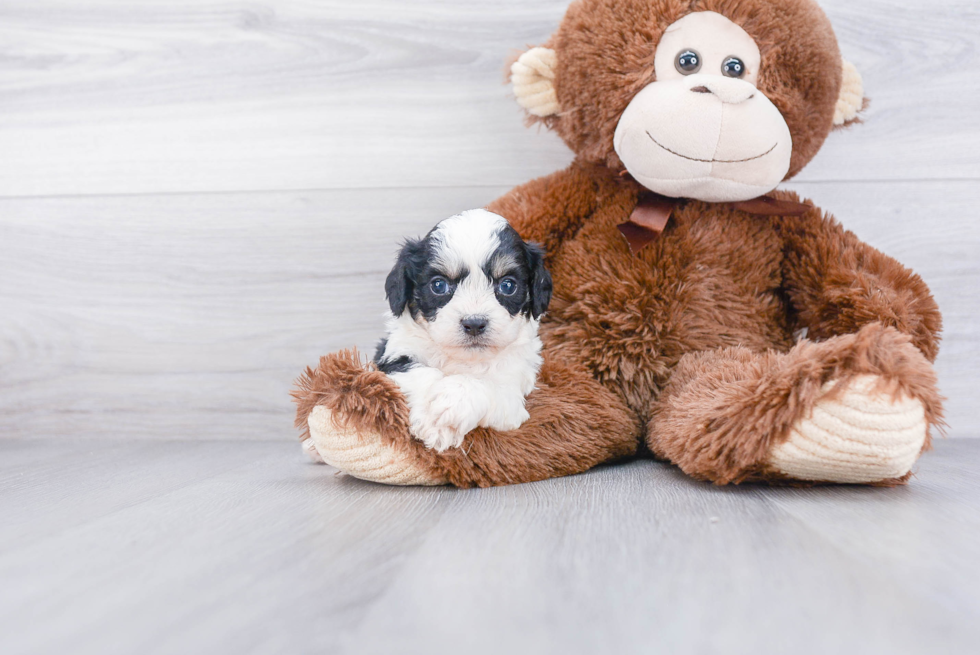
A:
[(504, 185)]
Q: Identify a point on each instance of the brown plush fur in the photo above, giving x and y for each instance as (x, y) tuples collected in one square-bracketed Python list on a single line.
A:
[(724, 410), (838, 284), (360, 397), (688, 345), (721, 291), (575, 424)]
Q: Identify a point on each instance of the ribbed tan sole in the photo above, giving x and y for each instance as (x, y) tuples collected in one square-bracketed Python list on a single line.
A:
[(362, 454), (859, 436)]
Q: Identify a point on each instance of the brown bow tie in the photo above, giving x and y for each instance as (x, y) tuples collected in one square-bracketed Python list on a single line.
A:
[(653, 211)]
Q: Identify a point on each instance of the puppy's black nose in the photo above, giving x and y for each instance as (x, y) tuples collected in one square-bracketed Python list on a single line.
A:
[(474, 326)]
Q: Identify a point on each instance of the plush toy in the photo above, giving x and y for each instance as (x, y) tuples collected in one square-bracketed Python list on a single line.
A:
[(698, 314)]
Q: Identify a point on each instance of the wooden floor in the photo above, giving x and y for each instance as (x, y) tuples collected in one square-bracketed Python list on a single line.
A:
[(196, 547), (200, 197)]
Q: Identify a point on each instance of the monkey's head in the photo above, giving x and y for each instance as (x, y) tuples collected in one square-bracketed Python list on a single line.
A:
[(716, 100)]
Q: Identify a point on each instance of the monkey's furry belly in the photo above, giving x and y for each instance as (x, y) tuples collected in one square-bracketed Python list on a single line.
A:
[(630, 318)]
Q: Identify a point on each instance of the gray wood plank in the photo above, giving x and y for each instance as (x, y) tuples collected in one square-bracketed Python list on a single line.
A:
[(189, 316), (271, 554), (218, 564), (165, 96), (647, 560), (95, 479), (907, 528)]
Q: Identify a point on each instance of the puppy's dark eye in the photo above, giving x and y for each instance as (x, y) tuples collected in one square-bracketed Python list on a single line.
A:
[(439, 286), (507, 286), (688, 62), (733, 67)]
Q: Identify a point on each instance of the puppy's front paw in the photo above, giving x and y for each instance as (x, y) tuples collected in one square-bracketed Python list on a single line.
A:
[(452, 408), (428, 428), (439, 438), (510, 420), (508, 412)]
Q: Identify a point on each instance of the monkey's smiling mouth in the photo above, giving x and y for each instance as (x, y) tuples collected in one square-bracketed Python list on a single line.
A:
[(712, 161)]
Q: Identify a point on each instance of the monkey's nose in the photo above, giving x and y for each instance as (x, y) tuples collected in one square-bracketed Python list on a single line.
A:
[(729, 91), (474, 326)]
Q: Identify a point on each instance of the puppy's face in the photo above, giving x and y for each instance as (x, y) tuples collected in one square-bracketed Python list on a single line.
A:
[(471, 283)]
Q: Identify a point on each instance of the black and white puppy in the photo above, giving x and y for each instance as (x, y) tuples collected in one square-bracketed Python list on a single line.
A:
[(462, 340)]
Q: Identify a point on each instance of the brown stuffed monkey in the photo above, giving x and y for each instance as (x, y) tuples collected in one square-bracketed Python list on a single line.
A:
[(697, 313)]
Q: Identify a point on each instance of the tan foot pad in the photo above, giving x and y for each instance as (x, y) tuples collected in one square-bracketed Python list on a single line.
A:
[(858, 436), (364, 455)]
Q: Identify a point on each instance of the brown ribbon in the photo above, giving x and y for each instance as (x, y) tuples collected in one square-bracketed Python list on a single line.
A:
[(653, 211), (769, 206), (647, 221)]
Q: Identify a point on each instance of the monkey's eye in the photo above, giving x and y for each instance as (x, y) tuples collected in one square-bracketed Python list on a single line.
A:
[(733, 67), (507, 286), (439, 286), (688, 62)]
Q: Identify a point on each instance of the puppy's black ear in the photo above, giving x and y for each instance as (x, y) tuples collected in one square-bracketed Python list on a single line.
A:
[(400, 284), (540, 280)]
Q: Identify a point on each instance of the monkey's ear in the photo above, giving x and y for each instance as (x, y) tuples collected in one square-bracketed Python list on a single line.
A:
[(533, 77), (851, 101)]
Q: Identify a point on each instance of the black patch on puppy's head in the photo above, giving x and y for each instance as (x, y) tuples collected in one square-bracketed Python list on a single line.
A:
[(541, 286), (524, 262), (402, 280), (409, 283)]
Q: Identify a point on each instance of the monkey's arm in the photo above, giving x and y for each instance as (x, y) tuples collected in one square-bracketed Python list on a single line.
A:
[(552, 208), (836, 284)]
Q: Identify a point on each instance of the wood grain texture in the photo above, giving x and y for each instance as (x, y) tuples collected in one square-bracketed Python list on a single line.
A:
[(189, 316), (176, 547), (112, 97)]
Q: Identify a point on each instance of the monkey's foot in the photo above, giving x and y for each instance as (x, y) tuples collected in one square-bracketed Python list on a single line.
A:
[(363, 454), (860, 434)]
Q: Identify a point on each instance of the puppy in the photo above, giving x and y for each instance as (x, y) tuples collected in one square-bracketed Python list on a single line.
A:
[(462, 341)]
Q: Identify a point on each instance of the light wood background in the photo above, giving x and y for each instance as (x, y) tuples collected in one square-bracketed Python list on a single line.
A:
[(198, 198)]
